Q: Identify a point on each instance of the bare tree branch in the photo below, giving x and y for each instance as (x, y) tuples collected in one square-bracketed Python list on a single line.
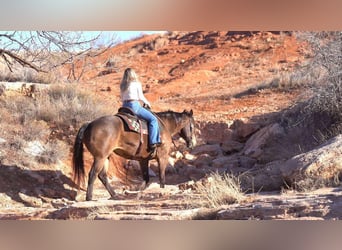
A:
[(43, 51), (21, 61)]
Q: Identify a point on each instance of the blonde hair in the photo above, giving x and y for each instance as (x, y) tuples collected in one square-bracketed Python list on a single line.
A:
[(128, 77)]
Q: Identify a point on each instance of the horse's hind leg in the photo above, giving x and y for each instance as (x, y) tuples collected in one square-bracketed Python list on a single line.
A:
[(104, 179), (95, 170)]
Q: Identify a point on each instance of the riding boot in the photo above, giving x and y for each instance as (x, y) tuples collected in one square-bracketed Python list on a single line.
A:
[(153, 149)]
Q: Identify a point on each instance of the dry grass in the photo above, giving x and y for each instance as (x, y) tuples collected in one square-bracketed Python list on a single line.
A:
[(66, 106), (22, 74), (51, 119), (220, 190), (61, 105)]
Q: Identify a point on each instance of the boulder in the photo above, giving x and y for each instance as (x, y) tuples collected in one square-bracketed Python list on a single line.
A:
[(230, 146), (30, 200), (263, 178), (321, 163), (262, 141), (203, 160), (215, 133), (242, 130), (212, 150), (234, 162), (189, 157)]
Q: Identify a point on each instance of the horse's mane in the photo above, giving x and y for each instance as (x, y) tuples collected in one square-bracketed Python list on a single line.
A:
[(166, 113)]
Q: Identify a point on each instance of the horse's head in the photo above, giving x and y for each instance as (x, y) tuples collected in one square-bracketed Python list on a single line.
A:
[(188, 131)]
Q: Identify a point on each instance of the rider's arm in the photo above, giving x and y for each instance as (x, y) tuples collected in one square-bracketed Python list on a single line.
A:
[(141, 95)]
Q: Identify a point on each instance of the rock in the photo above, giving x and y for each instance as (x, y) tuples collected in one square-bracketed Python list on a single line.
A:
[(204, 160), (323, 162), (171, 161), (39, 178), (194, 173), (233, 162), (221, 161), (215, 133), (34, 148), (178, 155), (212, 150), (151, 173), (230, 146), (242, 130), (189, 157), (255, 146), (263, 178), (31, 201)]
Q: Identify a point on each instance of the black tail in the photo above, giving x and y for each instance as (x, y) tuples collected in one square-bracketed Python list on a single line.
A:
[(77, 158)]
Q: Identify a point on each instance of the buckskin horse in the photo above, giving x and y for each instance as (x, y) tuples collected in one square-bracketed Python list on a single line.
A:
[(109, 134)]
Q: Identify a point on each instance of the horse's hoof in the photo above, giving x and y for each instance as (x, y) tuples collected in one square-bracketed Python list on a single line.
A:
[(143, 186), (117, 197), (162, 185)]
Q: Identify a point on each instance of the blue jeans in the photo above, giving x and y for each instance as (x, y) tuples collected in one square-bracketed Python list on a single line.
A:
[(141, 112)]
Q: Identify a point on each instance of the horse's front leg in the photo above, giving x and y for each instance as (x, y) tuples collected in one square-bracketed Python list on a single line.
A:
[(145, 173), (162, 163)]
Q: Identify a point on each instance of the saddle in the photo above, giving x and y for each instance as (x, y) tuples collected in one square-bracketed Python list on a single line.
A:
[(132, 122)]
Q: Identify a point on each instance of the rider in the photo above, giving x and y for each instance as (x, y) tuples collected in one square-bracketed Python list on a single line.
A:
[(131, 95)]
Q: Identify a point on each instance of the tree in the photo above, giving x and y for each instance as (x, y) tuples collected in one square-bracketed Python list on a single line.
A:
[(43, 51)]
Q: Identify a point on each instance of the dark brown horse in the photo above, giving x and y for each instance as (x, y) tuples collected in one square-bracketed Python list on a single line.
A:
[(107, 134)]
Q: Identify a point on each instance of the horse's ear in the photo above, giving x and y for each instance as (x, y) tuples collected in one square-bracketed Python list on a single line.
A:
[(188, 112)]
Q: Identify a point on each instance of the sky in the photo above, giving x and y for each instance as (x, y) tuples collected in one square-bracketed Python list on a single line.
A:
[(106, 38)]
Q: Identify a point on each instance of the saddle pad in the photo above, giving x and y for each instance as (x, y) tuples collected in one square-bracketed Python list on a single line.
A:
[(132, 123)]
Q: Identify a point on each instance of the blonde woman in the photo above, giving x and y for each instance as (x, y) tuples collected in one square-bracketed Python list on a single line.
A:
[(132, 96)]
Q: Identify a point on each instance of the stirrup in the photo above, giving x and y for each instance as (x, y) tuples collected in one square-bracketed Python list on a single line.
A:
[(153, 150)]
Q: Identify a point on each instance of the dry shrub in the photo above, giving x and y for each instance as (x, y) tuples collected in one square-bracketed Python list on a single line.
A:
[(320, 117), (220, 190), (60, 105), (64, 105), (294, 80), (61, 108), (54, 151), (36, 130), (22, 74), (113, 61), (159, 43)]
